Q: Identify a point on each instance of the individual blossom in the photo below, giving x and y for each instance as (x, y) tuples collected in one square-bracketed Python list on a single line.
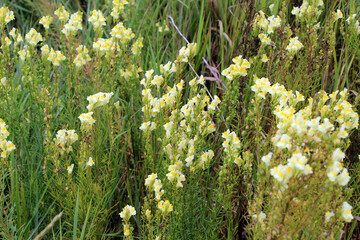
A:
[(148, 213), (259, 217), (267, 158), (45, 50), (90, 162), (97, 19), (3, 83), (271, 7), (338, 155), (346, 212), (87, 121), (7, 41), (98, 100), (264, 58), (13, 33), (46, 21), (33, 37), (127, 212), (329, 215), (338, 14), (70, 169)]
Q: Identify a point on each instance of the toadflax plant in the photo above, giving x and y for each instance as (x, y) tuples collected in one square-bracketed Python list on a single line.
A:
[(302, 181)]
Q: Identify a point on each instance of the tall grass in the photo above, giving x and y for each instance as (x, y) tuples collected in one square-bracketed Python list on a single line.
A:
[(43, 99)]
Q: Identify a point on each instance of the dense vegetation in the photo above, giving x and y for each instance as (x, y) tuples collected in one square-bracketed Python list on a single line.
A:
[(181, 119)]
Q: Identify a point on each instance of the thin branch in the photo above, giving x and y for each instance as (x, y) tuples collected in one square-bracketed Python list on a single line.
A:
[(48, 227), (192, 68)]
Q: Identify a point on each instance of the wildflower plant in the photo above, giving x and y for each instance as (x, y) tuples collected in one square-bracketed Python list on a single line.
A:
[(123, 133), (306, 163)]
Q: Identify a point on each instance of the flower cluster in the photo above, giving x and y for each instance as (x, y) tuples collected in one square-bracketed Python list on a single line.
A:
[(64, 139), (74, 25), (16, 36), (98, 100), (154, 184), (294, 45), (126, 214), (354, 23), (6, 146), (33, 37), (55, 57), (165, 207), (6, 16), (46, 21), (311, 137), (145, 126), (162, 27), (62, 14), (231, 147), (105, 46), (118, 8), (168, 68), (267, 25), (308, 11), (137, 46), (188, 52), (237, 69), (120, 33), (175, 174), (97, 19), (82, 56), (24, 53), (87, 121)]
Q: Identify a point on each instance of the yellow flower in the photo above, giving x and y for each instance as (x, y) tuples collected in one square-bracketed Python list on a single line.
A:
[(46, 21), (165, 207), (127, 212)]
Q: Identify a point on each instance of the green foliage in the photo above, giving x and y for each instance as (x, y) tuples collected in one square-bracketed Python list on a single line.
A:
[(206, 129)]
